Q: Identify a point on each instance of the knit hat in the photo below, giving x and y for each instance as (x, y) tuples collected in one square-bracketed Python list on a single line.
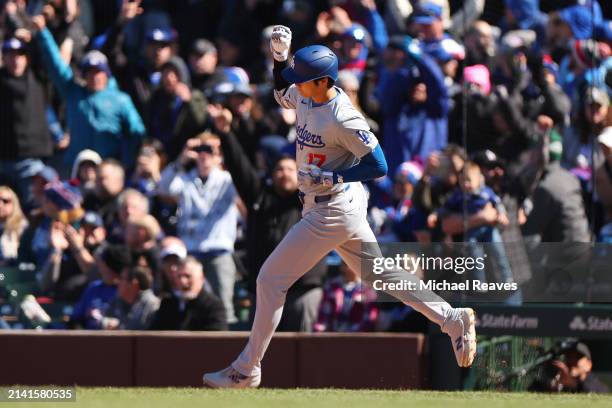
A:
[(116, 257), (409, 172), (479, 75), (64, 195), (86, 155)]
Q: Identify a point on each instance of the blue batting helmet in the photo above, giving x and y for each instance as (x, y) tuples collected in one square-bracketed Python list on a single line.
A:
[(310, 63)]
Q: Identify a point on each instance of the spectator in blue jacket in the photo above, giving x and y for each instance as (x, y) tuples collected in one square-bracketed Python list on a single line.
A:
[(415, 123), (99, 116)]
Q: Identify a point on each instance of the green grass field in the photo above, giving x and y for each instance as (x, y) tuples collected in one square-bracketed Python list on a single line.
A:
[(269, 398)]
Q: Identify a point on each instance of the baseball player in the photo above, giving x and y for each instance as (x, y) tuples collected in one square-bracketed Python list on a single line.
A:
[(335, 152)]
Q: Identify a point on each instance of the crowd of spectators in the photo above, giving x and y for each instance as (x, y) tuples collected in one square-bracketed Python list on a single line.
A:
[(146, 172)]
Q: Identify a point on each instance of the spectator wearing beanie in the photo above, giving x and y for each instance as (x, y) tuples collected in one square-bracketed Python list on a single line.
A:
[(89, 311)]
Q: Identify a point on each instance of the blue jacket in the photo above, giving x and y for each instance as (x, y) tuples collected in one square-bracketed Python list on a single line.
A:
[(411, 131), (106, 121), (97, 295)]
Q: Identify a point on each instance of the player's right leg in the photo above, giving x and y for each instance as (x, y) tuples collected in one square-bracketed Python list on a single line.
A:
[(304, 245)]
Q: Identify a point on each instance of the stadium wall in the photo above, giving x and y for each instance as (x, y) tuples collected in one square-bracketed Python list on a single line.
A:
[(163, 359)]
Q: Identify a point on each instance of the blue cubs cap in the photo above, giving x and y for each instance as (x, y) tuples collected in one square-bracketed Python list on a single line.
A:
[(445, 50), (161, 35), (357, 32), (310, 63), (13, 44), (47, 173), (426, 13), (96, 60)]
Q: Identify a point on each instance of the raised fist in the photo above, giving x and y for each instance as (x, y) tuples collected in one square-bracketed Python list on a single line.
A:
[(280, 42)]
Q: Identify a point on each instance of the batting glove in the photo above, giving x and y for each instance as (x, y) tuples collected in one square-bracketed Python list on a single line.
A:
[(280, 42), (310, 175)]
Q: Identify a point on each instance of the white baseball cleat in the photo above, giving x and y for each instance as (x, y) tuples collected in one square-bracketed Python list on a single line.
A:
[(461, 327), (230, 378)]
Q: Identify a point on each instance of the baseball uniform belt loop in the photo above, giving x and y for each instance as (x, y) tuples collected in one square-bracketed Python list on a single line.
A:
[(322, 198)]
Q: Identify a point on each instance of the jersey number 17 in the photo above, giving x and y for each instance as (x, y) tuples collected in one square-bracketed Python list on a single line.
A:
[(316, 159)]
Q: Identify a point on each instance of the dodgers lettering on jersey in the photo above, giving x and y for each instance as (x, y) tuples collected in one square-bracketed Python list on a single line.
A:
[(305, 138), (333, 136)]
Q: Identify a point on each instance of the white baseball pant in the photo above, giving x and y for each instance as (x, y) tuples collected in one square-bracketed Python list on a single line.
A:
[(339, 224)]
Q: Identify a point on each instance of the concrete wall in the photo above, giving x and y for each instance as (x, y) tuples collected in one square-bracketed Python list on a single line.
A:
[(160, 359)]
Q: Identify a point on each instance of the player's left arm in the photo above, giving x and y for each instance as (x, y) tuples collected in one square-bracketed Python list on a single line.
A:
[(371, 166), (356, 137)]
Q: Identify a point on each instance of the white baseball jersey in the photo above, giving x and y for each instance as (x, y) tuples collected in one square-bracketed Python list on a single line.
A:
[(332, 136)]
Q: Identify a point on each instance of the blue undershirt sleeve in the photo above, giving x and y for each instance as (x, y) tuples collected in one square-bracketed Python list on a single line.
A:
[(371, 166)]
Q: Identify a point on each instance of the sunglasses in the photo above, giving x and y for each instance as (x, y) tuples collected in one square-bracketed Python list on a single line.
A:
[(204, 148)]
